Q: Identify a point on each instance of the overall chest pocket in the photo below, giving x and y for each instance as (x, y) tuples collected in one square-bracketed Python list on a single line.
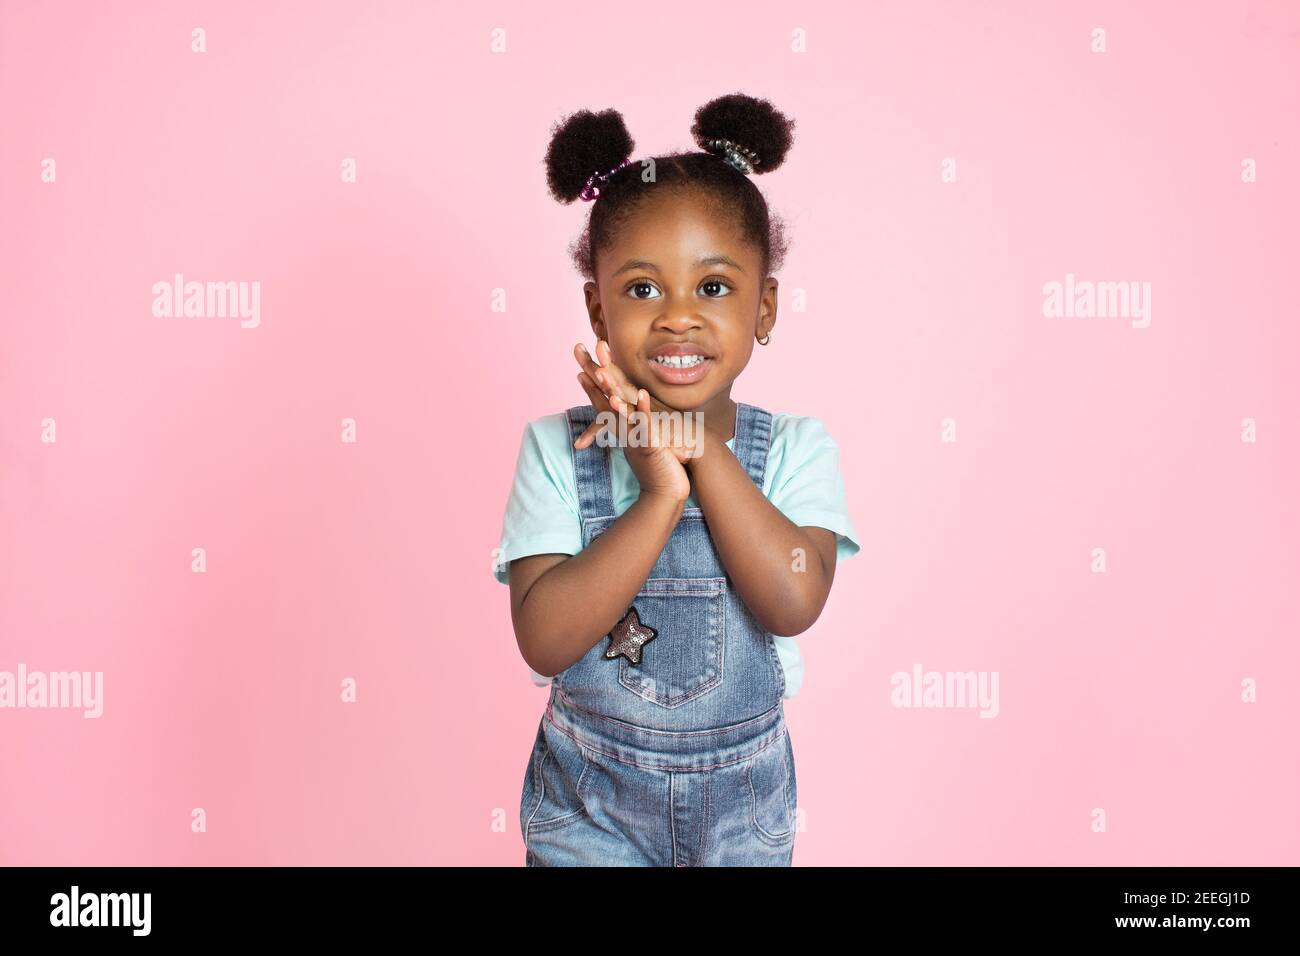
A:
[(687, 655)]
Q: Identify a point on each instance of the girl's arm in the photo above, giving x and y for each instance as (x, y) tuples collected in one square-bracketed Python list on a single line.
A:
[(757, 544), (562, 605)]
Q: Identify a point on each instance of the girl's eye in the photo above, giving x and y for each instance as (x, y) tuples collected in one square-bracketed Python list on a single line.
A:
[(712, 288)]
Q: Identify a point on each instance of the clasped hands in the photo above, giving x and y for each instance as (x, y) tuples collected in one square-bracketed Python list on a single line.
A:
[(660, 462)]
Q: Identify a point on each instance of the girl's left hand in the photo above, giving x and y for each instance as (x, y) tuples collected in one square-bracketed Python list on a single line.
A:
[(609, 378)]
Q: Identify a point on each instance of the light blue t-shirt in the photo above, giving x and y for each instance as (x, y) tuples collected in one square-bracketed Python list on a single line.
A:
[(542, 516)]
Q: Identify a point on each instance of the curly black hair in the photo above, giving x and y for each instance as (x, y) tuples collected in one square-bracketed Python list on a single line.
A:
[(585, 143)]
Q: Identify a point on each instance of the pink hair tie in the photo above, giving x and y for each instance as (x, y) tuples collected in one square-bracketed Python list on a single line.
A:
[(592, 188)]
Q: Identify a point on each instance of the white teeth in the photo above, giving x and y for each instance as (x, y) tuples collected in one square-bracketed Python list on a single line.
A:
[(679, 361)]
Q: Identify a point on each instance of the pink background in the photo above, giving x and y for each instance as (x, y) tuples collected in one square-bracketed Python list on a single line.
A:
[(373, 560)]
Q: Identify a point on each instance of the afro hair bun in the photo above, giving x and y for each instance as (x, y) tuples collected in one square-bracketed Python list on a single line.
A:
[(755, 124), (582, 144)]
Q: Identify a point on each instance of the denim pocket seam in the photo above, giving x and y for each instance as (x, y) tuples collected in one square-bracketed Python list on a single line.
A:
[(712, 590), (701, 587), (556, 823), (767, 836)]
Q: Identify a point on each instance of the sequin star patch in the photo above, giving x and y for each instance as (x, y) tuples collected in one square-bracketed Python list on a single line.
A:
[(629, 636)]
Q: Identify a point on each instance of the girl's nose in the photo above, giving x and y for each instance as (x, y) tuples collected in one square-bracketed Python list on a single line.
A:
[(679, 320)]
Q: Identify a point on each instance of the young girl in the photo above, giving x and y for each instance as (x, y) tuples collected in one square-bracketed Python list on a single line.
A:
[(658, 583)]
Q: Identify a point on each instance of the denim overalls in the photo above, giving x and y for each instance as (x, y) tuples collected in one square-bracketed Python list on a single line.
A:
[(685, 758)]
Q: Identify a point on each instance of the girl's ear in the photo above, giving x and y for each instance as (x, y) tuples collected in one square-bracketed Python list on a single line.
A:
[(594, 311), (766, 308)]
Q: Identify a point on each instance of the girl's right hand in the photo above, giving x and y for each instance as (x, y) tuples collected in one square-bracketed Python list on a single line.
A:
[(658, 465)]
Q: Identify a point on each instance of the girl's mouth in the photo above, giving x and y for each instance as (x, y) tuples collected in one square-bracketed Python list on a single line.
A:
[(680, 369)]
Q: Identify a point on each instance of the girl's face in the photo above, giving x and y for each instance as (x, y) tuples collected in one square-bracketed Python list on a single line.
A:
[(680, 300)]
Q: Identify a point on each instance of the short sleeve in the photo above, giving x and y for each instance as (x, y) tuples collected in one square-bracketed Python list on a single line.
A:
[(807, 486), (542, 514)]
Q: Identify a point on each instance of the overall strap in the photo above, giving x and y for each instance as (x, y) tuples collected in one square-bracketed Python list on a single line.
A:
[(590, 466), (753, 439)]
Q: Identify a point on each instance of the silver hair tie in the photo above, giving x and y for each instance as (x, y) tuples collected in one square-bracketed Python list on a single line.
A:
[(733, 153)]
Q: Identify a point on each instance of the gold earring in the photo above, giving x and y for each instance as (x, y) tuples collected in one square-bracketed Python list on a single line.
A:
[(765, 339)]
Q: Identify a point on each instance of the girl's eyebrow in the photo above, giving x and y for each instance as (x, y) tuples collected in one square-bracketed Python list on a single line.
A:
[(716, 259)]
